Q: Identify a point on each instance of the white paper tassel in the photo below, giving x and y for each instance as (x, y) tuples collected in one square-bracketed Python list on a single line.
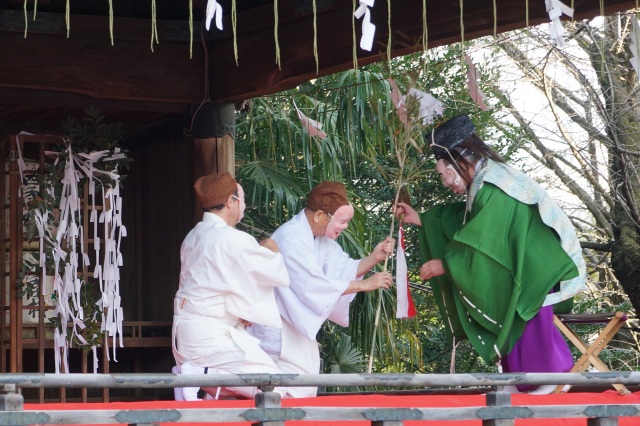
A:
[(313, 127), (472, 83), (368, 29), (429, 108), (556, 9), (397, 100), (634, 45), (68, 287), (214, 9)]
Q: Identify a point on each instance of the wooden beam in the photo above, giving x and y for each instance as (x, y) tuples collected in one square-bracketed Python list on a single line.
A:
[(86, 64), (47, 99), (256, 72)]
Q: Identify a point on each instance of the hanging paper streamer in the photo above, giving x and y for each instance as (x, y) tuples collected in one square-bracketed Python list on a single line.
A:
[(429, 107), (368, 29), (396, 99), (313, 127), (67, 281), (22, 166), (472, 83), (214, 9), (404, 306), (556, 9), (634, 45)]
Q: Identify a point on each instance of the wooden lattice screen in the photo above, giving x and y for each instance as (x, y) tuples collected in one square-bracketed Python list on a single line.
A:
[(27, 339)]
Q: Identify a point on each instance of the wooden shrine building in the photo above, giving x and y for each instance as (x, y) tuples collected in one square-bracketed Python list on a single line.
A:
[(52, 68)]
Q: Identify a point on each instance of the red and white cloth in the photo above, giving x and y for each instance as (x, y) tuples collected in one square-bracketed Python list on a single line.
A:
[(405, 307)]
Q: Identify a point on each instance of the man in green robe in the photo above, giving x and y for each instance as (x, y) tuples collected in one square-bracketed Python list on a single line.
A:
[(494, 260)]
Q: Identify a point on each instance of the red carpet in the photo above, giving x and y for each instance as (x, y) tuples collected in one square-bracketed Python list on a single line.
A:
[(380, 401)]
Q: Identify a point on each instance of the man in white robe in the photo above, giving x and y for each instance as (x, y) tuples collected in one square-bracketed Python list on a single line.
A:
[(324, 280), (227, 281)]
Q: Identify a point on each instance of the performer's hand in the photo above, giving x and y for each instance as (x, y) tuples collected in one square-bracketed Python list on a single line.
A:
[(410, 215), (432, 268), (378, 280), (270, 244), (374, 282), (384, 249)]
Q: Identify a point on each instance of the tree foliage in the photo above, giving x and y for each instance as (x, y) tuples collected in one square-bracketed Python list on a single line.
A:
[(576, 129), (582, 139)]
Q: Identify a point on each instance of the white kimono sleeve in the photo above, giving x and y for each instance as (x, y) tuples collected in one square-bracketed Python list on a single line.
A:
[(315, 287)]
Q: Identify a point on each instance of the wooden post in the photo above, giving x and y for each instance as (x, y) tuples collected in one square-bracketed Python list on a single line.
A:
[(498, 399), (15, 260), (10, 399), (268, 399), (602, 421), (214, 132)]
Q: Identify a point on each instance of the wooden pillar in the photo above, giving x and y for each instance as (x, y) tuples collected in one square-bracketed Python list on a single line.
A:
[(214, 132), (268, 399), (10, 399), (15, 261), (603, 421), (498, 399)]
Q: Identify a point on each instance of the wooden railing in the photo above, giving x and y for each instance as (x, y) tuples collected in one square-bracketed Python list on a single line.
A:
[(135, 334), (498, 410)]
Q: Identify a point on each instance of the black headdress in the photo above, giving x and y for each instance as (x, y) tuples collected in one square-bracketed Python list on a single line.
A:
[(444, 138)]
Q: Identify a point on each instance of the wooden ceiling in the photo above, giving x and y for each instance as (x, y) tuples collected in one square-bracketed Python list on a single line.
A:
[(46, 76)]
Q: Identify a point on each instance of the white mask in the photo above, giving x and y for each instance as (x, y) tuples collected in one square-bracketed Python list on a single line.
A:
[(242, 205), (339, 221), (451, 177)]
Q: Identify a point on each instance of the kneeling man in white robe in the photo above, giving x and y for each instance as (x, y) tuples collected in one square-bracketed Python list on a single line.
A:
[(227, 281)]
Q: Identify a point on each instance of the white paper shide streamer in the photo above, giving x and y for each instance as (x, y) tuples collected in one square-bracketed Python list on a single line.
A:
[(556, 9), (214, 10), (472, 83), (368, 29), (71, 256), (429, 107), (634, 45), (313, 127), (398, 101)]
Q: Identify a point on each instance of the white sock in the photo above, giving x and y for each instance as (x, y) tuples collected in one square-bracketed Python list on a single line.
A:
[(190, 393), (178, 395)]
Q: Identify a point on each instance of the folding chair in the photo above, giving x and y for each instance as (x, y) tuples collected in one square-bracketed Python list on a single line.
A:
[(591, 351)]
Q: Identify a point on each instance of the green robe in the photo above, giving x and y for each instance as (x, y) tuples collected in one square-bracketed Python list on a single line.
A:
[(500, 266)]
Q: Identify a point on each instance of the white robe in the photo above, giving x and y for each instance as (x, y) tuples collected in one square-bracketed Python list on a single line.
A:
[(320, 272), (225, 276)]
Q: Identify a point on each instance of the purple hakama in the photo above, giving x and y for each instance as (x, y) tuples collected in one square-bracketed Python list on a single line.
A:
[(540, 349)]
